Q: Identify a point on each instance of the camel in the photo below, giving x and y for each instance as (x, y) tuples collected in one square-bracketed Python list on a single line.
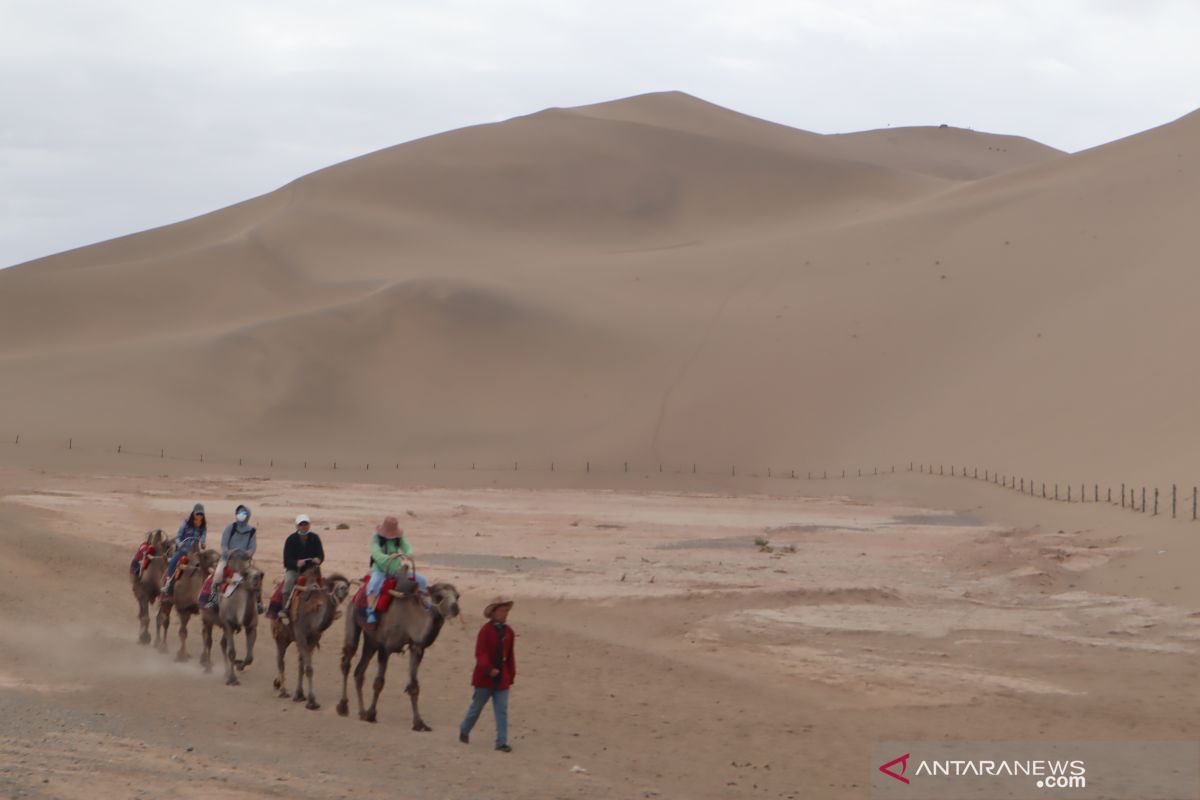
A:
[(236, 612), (406, 623), (148, 583), (315, 610), (185, 599)]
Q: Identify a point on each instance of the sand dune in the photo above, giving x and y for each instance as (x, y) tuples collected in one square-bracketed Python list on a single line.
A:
[(651, 279)]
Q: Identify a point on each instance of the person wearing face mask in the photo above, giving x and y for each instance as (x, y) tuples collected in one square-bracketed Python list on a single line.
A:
[(239, 536), (301, 550)]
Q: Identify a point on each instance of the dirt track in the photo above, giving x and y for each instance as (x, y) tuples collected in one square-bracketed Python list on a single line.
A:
[(659, 648)]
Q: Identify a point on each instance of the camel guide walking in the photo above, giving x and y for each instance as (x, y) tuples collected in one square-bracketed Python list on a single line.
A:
[(495, 670), (301, 550)]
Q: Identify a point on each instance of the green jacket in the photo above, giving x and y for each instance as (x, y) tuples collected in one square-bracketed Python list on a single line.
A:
[(381, 548)]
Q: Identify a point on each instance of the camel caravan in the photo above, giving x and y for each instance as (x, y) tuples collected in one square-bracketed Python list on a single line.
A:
[(393, 611)]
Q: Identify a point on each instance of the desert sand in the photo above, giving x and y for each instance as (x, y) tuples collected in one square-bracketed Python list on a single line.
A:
[(592, 357), (661, 648)]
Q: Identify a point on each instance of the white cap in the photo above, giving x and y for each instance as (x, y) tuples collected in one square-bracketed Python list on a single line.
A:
[(303, 518)]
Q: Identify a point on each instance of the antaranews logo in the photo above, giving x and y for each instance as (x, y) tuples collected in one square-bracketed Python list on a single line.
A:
[(1047, 773)]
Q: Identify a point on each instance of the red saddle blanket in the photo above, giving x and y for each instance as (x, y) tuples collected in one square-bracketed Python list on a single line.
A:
[(277, 595), (206, 589), (141, 559), (385, 599)]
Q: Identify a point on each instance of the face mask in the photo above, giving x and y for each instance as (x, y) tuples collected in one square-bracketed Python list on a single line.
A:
[(242, 516)]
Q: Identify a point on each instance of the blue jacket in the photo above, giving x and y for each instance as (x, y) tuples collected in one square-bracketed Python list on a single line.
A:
[(188, 535)]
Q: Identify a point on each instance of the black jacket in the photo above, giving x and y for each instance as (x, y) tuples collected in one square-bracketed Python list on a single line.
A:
[(295, 549)]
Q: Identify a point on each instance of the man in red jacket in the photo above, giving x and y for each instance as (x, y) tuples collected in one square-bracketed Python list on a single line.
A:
[(495, 670)]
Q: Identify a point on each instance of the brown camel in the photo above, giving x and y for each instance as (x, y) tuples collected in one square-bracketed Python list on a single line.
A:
[(406, 623), (315, 609), (185, 598), (148, 583), (234, 613)]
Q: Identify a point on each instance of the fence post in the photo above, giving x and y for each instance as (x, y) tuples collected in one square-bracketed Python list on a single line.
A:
[(589, 466), (162, 452), (1193, 503), (18, 439), (202, 458), (1056, 491), (118, 449), (1155, 502), (910, 466), (824, 474), (273, 464), (1172, 501), (733, 470), (793, 474), (1068, 492), (335, 465), (627, 466), (70, 444), (1097, 495), (1122, 495), (551, 466), (1043, 491), (1143, 499), (515, 466), (693, 467), (952, 471), (1022, 486), (843, 473)]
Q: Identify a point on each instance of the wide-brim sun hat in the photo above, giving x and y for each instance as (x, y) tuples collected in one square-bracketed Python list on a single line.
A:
[(389, 528), (496, 603)]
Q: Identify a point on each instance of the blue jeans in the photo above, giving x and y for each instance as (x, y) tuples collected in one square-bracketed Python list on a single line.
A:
[(499, 699)]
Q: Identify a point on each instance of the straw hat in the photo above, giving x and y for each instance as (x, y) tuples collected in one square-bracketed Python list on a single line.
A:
[(496, 603)]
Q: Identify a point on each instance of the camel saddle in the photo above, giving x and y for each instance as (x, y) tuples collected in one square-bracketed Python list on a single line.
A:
[(141, 559), (276, 604), (385, 596), (207, 588)]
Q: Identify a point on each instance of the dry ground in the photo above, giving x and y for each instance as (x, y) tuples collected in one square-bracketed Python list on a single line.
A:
[(660, 649)]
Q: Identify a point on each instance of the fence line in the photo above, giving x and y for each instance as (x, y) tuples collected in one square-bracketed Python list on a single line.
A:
[(1023, 485)]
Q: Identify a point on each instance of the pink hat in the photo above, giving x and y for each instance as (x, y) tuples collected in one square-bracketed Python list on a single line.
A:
[(390, 528)]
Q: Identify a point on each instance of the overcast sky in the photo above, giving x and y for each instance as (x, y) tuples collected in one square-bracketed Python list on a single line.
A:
[(121, 115)]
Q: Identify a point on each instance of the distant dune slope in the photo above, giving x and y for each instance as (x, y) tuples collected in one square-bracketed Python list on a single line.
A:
[(651, 279)]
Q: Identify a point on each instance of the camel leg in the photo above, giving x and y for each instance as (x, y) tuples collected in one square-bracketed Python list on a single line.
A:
[(160, 634), (206, 650), (413, 690), (251, 635), (298, 695), (312, 703), (229, 649), (348, 650), (162, 623), (380, 674), (360, 673), (281, 646), (143, 620), (182, 655)]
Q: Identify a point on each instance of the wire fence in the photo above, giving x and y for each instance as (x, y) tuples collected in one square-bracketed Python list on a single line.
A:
[(1143, 499)]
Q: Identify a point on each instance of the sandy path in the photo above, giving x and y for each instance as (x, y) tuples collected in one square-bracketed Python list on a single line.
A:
[(660, 648)]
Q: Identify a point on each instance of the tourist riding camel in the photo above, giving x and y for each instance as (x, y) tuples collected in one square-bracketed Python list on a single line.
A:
[(406, 623), (313, 608), (390, 554), (301, 550), (193, 533), (239, 537)]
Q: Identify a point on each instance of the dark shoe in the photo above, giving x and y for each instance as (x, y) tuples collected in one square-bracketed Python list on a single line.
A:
[(464, 738), (503, 748)]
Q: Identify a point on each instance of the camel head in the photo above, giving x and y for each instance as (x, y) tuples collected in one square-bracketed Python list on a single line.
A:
[(155, 538), (339, 588), (444, 598), (204, 560), (253, 579)]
